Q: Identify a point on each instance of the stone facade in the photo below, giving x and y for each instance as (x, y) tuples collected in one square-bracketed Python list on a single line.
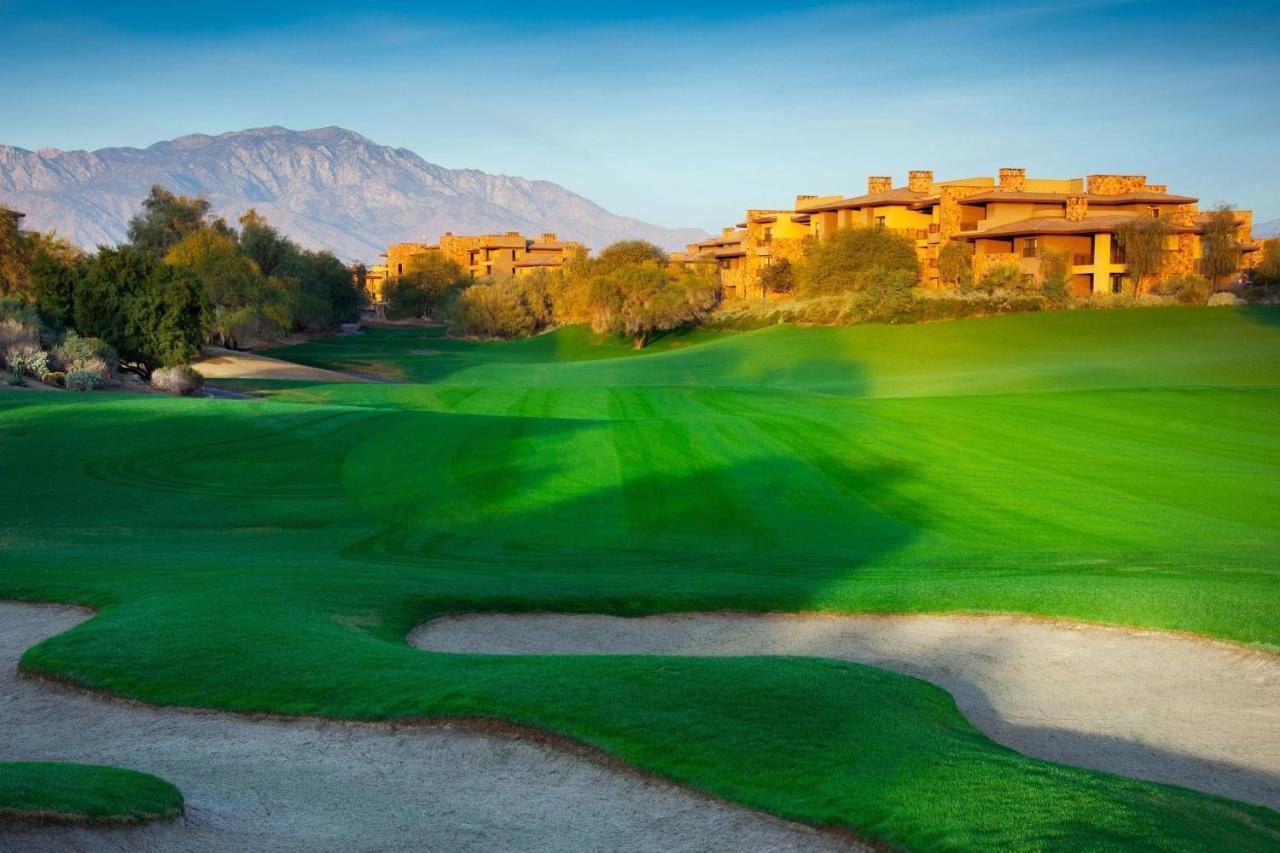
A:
[(920, 180), (879, 184), (1115, 184), (1012, 180), (1077, 209)]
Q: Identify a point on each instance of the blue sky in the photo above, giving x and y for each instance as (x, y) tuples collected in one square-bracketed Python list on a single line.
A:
[(681, 113)]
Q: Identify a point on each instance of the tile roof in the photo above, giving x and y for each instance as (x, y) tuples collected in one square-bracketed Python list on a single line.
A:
[(1144, 196), (1061, 225)]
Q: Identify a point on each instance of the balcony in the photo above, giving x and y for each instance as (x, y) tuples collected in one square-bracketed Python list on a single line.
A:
[(971, 225), (1082, 260)]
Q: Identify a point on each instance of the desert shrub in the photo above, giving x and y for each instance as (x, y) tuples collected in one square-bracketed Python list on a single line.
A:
[(28, 358), (13, 375), (1186, 289), (1007, 277), (75, 351), (15, 333), (82, 380), (54, 378), (1219, 299), (778, 277), (179, 379)]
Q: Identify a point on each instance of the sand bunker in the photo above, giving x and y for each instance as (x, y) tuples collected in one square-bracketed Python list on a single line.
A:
[(229, 364), (1162, 707), (305, 785)]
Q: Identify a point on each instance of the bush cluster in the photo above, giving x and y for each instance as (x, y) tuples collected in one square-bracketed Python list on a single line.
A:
[(82, 380), (180, 379)]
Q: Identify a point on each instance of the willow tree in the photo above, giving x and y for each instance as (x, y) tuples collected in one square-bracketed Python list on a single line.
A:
[(1143, 242), (1221, 248)]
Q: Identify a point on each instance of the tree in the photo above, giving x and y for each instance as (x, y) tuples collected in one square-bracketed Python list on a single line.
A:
[(1267, 272), (152, 313), (955, 264), (778, 277), (1220, 245), (165, 219), (237, 294), (1143, 241), (638, 299), (15, 253), (53, 280), (430, 279), (625, 252), (264, 245), (1053, 273), (851, 258)]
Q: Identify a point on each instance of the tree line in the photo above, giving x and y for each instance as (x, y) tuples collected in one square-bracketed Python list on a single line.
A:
[(183, 279)]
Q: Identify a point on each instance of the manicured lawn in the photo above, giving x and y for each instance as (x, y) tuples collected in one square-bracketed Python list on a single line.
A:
[(53, 791), (1118, 466)]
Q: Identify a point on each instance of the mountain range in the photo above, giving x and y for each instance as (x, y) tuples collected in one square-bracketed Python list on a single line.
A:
[(1267, 229), (327, 188)]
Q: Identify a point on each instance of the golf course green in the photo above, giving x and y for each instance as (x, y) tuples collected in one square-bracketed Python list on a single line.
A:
[(271, 555)]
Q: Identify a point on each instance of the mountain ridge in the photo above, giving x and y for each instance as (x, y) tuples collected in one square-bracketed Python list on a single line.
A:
[(328, 188)]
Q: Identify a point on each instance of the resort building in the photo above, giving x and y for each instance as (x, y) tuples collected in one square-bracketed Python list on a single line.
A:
[(486, 255), (1010, 219), (742, 254)]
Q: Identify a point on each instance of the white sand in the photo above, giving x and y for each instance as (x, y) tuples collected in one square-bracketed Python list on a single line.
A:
[(305, 785), (1168, 708)]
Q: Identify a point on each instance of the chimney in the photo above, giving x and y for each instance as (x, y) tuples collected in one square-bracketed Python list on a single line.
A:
[(1013, 180), (548, 238), (1077, 208), (920, 180), (1157, 188), (512, 234), (730, 231), (879, 185), (802, 200)]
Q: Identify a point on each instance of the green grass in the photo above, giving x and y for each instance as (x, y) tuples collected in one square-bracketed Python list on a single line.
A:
[(83, 793), (1118, 466)]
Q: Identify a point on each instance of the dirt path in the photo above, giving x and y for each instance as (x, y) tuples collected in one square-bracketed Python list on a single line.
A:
[(303, 785), (1168, 708), (230, 364)]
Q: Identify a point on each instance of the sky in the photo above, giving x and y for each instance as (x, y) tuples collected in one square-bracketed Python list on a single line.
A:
[(680, 113)]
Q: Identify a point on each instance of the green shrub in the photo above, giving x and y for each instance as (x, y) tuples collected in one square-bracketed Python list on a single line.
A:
[(955, 264), (179, 379), (15, 376), (54, 378), (1007, 277), (82, 380)]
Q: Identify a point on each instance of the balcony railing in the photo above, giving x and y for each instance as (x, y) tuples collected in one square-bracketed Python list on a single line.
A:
[(912, 233), (972, 225), (1082, 260)]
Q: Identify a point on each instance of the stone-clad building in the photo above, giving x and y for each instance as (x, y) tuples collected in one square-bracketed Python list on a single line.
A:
[(484, 255), (1010, 218)]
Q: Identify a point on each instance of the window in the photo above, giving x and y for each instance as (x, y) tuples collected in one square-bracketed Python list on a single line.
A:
[(399, 269), (768, 235), (1155, 212), (879, 221), (1029, 247), (1117, 283)]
